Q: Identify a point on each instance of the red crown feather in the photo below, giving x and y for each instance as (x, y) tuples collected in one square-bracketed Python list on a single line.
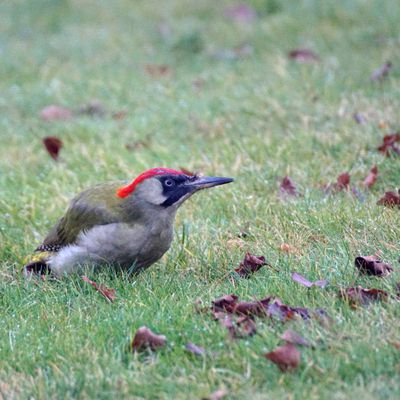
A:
[(128, 189)]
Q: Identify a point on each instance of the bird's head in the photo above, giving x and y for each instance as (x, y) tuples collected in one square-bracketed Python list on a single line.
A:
[(166, 187)]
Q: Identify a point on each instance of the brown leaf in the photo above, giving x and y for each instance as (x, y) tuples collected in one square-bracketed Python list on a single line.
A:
[(343, 181), (390, 199), (53, 113), (305, 282), (240, 327), (370, 180), (217, 395), (93, 109), (381, 72), (145, 338), (284, 312), (290, 336), (359, 295), (303, 56), (252, 308), (240, 13), (372, 265), (157, 71), (53, 146), (194, 349), (250, 264), (389, 145), (225, 303), (286, 357), (109, 294), (287, 188)]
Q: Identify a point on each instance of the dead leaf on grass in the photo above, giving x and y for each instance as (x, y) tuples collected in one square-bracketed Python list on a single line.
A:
[(146, 339), (287, 248), (109, 294), (371, 178), (389, 145), (250, 265), (286, 357), (390, 199), (53, 146), (372, 265), (361, 296), (287, 188), (305, 282)]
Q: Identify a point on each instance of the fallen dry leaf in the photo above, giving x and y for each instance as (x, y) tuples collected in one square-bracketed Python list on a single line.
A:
[(370, 180), (390, 199), (390, 145), (303, 55), (194, 349), (372, 265), (145, 338), (305, 282), (285, 313), (290, 336), (241, 13), (286, 357), (287, 188), (343, 181), (53, 146), (381, 72), (225, 303), (53, 113), (109, 294), (250, 264), (359, 295), (238, 328)]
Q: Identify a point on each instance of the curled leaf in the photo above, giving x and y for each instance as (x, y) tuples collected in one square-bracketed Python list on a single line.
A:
[(109, 294), (359, 295), (372, 265), (250, 264), (389, 145), (145, 338), (370, 180), (53, 146), (287, 188), (390, 199), (305, 282), (286, 357)]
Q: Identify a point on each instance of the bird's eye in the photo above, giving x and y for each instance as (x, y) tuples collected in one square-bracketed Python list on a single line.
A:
[(169, 182)]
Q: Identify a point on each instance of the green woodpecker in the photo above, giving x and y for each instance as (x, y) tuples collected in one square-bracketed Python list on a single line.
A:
[(129, 226)]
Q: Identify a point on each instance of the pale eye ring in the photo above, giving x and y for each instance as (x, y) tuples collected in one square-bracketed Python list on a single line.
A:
[(169, 183)]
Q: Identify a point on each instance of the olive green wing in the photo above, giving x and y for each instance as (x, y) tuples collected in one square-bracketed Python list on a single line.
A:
[(96, 206)]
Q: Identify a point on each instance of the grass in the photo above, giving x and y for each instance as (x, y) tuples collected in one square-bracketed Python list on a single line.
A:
[(256, 118)]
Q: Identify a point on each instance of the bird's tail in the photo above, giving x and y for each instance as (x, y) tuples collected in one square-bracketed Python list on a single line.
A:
[(37, 263)]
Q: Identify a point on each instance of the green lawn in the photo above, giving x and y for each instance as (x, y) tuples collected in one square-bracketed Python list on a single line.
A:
[(256, 117)]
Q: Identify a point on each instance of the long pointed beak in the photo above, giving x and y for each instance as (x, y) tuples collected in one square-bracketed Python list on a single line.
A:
[(208, 181)]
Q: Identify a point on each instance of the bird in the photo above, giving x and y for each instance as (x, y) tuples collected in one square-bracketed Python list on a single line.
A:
[(126, 224)]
